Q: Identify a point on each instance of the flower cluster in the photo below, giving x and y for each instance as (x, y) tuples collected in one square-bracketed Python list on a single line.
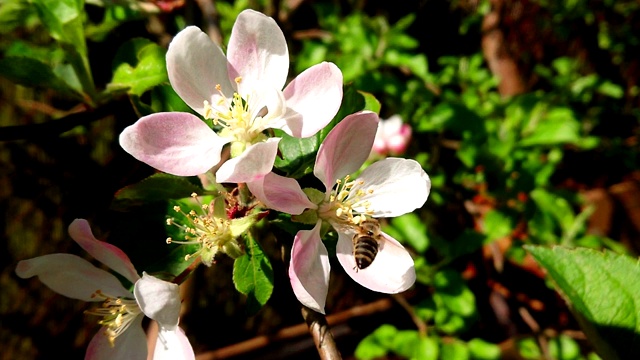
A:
[(240, 96)]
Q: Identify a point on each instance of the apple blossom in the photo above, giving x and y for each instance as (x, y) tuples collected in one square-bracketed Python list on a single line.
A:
[(211, 230), (241, 94), (122, 311), (392, 137), (387, 188)]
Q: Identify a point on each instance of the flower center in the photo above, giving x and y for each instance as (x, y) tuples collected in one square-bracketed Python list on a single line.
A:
[(117, 314), (212, 233), (238, 119), (345, 205)]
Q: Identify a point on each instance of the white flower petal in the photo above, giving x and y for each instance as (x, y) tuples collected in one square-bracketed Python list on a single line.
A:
[(174, 142), (173, 345), (71, 276), (281, 193), (346, 147), (392, 270), (159, 300), (254, 163), (131, 344), (399, 186), (106, 253), (309, 269), (313, 99), (258, 50), (195, 66), (264, 97)]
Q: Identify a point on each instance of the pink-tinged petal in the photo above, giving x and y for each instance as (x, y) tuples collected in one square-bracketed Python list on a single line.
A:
[(392, 270), (173, 345), (313, 99), (346, 147), (131, 344), (106, 253), (281, 193), (173, 142), (71, 276), (195, 66), (159, 300), (258, 50), (309, 269), (254, 163), (392, 187)]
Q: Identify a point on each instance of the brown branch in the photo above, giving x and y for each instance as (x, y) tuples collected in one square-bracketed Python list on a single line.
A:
[(211, 18), (501, 63), (322, 337), (54, 128), (294, 331)]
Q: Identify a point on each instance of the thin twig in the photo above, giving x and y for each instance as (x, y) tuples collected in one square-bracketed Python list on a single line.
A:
[(54, 128), (294, 331), (420, 324)]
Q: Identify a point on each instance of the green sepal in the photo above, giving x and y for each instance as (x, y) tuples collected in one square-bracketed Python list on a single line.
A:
[(309, 216), (315, 196)]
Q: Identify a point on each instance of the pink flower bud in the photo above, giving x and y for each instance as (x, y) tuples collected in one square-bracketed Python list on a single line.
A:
[(393, 137)]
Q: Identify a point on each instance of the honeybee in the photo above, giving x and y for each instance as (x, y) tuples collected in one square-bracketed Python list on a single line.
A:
[(366, 243)]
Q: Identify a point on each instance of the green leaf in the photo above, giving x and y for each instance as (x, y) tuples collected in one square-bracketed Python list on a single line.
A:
[(564, 348), (603, 291), (370, 102), (426, 349), (411, 345), (412, 230), (610, 89), (497, 225), (376, 344), (297, 155), (454, 350), (63, 19), (253, 275), (34, 73), (140, 66), (555, 206), (559, 126), (482, 350), (157, 187)]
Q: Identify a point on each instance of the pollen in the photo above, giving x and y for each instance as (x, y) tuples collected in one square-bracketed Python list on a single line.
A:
[(117, 314), (202, 228), (346, 205)]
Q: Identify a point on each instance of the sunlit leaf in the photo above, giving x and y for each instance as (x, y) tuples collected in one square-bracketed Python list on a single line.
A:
[(140, 66), (376, 344), (253, 275), (603, 291)]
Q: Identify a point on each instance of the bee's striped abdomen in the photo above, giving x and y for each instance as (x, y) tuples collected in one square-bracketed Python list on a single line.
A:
[(365, 250)]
